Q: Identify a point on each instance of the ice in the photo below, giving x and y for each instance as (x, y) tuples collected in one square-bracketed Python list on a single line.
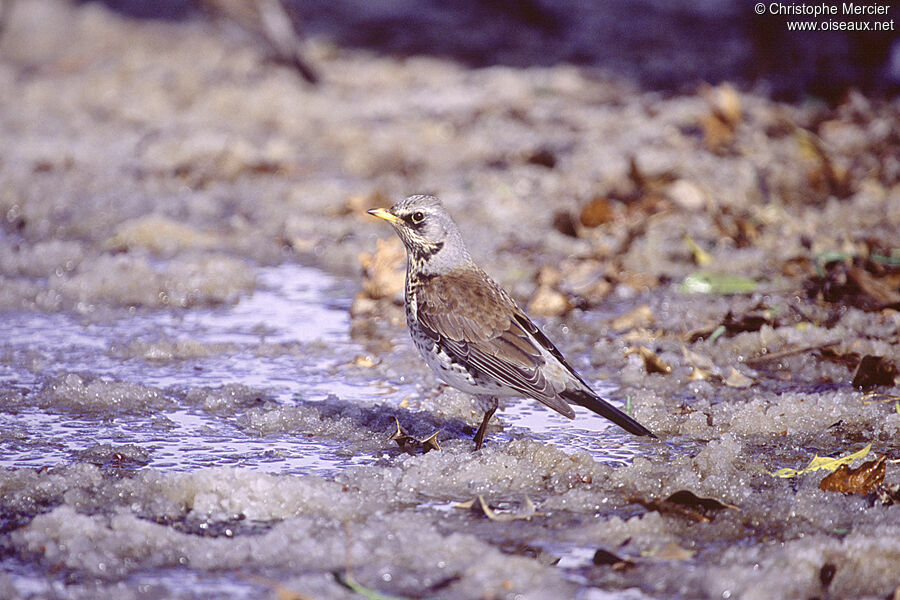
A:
[(188, 409)]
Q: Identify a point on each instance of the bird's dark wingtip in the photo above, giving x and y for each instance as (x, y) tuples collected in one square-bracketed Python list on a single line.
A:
[(607, 410)]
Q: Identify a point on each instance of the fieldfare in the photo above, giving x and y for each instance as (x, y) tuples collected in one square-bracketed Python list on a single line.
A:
[(471, 333)]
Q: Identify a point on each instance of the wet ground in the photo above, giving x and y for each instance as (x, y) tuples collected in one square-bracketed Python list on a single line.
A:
[(203, 353)]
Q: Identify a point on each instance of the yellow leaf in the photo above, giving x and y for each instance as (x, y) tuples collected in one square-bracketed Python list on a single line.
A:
[(701, 256), (822, 462)]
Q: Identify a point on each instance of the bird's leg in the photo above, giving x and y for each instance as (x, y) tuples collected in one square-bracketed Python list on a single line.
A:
[(479, 435)]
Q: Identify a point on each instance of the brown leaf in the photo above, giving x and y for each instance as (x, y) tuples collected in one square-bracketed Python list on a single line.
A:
[(873, 371), (724, 102), (872, 286), (848, 284), (383, 270), (701, 366), (565, 224), (736, 379), (748, 322), (603, 557), (526, 510), (684, 503), (861, 480), (717, 134), (408, 443), (689, 499), (597, 212), (361, 360), (642, 316), (652, 362), (549, 302), (697, 360), (672, 551)]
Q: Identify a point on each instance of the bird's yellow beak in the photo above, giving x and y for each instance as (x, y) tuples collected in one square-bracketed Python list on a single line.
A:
[(386, 215)]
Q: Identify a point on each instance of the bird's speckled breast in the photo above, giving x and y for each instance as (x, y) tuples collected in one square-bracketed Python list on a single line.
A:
[(441, 362)]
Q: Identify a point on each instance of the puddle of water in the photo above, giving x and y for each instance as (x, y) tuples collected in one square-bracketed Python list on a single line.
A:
[(293, 305), (157, 583), (588, 432), (296, 306)]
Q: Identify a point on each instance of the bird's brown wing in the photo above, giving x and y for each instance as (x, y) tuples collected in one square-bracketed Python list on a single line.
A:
[(481, 326)]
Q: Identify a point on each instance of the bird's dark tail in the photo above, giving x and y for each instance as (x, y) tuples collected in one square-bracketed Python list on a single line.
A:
[(605, 409)]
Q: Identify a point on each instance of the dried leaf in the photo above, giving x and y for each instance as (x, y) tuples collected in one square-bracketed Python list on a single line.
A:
[(603, 557), (409, 443), (697, 360), (874, 371), (361, 360), (652, 362), (642, 316), (698, 374), (820, 462), (718, 136), (597, 212), (670, 508), (701, 256), (750, 321), (383, 270), (701, 366), (839, 281), (671, 551), (431, 442), (689, 499), (881, 293), (565, 224), (549, 302), (736, 379), (724, 101), (685, 503), (720, 124), (861, 480), (543, 156), (526, 509)]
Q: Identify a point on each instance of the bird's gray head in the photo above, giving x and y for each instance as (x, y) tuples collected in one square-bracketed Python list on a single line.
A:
[(433, 242)]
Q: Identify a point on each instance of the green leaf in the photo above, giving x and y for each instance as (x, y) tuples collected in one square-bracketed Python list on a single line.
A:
[(350, 583), (703, 282), (893, 259), (717, 332)]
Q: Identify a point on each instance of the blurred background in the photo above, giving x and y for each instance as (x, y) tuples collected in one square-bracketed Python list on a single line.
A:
[(664, 45)]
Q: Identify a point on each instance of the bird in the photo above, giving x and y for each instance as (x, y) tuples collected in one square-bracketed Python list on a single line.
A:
[(470, 331)]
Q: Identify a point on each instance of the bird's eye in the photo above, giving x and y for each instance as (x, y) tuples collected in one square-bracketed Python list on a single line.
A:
[(417, 217)]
